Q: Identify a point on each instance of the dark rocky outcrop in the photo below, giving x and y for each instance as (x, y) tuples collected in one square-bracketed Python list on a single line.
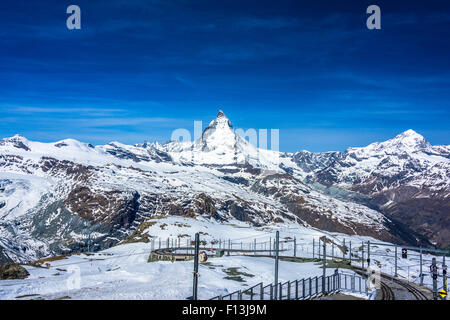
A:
[(10, 271), (118, 208)]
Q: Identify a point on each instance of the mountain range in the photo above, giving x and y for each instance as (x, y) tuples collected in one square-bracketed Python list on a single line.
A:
[(56, 196)]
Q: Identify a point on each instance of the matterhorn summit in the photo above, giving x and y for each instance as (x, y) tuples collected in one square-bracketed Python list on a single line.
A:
[(219, 144), (218, 136), (221, 121)]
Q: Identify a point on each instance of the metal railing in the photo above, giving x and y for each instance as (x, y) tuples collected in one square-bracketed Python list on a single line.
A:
[(302, 289)]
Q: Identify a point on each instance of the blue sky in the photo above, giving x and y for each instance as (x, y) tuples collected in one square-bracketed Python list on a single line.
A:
[(137, 70)]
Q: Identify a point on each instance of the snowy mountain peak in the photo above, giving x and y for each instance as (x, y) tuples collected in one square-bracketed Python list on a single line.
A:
[(16, 141), (74, 144), (409, 132), (221, 121), (221, 114), (219, 144), (219, 134), (409, 135), (409, 140), (16, 137)]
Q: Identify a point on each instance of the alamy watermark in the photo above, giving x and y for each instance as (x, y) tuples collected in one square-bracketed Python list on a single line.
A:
[(73, 22), (373, 278), (374, 20), (73, 282)]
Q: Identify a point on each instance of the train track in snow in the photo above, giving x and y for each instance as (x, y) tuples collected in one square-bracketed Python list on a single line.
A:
[(388, 292)]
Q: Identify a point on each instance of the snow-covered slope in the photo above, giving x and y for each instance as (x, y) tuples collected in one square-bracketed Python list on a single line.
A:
[(58, 197), (409, 152), (406, 177), (124, 271)]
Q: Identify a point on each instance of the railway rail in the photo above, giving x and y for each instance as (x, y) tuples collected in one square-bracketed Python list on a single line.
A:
[(417, 293), (387, 293)]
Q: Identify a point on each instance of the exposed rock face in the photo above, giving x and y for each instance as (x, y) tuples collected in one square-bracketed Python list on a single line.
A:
[(428, 216), (139, 153), (119, 208), (3, 257), (310, 162), (204, 205), (10, 271), (308, 206)]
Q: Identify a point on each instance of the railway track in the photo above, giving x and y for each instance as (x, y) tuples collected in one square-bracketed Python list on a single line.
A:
[(387, 293), (418, 294)]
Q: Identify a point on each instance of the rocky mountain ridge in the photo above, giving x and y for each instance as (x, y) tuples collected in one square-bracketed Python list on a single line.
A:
[(60, 197)]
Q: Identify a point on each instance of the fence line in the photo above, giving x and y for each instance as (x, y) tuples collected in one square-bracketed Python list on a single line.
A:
[(302, 289)]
